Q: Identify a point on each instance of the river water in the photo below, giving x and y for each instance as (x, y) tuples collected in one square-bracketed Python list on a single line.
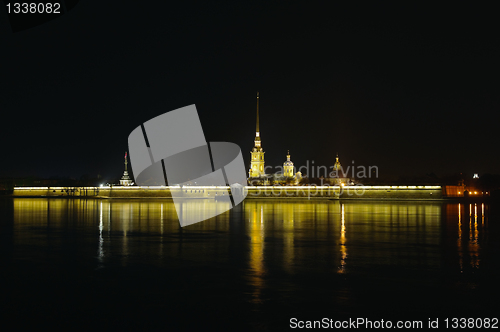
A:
[(126, 264)]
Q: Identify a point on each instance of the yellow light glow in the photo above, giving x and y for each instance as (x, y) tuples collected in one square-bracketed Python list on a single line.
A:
[(205, 187)]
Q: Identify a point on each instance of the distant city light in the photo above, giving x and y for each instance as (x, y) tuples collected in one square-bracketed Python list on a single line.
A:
[(475, 192), (475, 176), (101, 185)]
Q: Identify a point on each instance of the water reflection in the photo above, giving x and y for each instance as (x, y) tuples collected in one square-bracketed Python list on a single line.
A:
[(471, 234), (343, 249), (262, 262), (256, 259), (291, 236), (459, 241), (101, 240)]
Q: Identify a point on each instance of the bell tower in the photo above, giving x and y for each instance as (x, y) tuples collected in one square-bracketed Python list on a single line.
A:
[(257, 154), (288, 168)]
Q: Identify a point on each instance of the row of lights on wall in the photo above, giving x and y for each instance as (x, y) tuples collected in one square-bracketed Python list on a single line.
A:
[(475, 193)]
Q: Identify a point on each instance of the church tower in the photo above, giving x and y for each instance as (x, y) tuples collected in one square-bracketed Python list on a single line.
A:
[(337, 168), (288, 167), (257, 154), (337, 165)]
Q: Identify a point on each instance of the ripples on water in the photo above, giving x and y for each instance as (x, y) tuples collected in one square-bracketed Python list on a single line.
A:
[(127, 263)]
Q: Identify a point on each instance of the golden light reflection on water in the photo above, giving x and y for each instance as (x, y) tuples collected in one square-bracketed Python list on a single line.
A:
[(459, 240), (473, 246), (256, 232), (290, 235), (343, 248), (101, 239), (470, 235)]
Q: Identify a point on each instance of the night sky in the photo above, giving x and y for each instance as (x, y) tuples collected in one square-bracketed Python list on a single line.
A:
[(412, 90)]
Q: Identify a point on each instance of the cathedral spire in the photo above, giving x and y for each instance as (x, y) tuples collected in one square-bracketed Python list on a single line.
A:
[(257, 153), (257, 129)]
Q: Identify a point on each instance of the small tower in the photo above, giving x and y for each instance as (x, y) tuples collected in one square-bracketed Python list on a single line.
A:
[(337, 165), (257, 154), (288, 169), (126, 180), (337, 169)]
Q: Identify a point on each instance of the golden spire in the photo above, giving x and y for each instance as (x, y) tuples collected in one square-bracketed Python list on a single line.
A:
[(257, 112), (257, 133)]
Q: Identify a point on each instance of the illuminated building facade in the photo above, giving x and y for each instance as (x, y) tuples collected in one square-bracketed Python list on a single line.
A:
[(337, 176), (288, 168)]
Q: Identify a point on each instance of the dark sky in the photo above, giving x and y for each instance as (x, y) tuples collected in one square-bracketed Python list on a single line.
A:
[(412, 90)]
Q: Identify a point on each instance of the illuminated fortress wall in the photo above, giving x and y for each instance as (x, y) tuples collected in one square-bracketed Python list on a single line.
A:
[(333, 192), (348, 192), (125, 192)]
